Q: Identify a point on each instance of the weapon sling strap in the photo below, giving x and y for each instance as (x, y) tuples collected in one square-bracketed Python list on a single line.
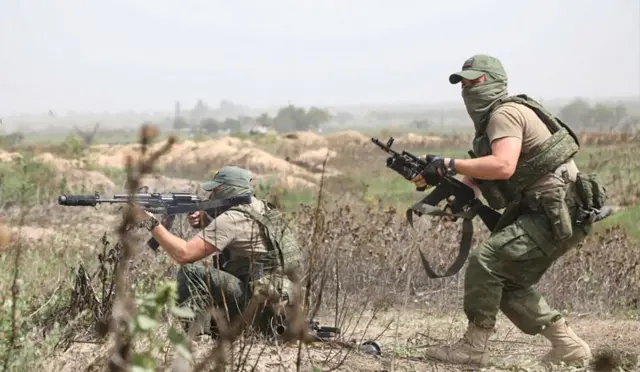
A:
[(209, 204), (420, 208)]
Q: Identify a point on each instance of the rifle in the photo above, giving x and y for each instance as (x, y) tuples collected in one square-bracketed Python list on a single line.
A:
[(464, 205), (330, 335), (157, 203)]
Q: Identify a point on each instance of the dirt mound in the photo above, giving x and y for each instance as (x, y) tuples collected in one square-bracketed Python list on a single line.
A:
[(315, 157), (313, 162), (286, 182), (412, 139), (5, 236), (60, 163), (78, 179), (32, 234), (167, 184), (232, 151), (347, 138), (226, 151), (185, 152), (6, 156), (305, 139)]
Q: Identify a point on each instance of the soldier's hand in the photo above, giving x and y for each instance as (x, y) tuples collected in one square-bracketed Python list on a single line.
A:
[(198, 219), (195, 219), (138, 214), (419, 181)]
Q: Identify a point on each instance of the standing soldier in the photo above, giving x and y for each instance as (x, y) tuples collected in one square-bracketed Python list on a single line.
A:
[(523, 162)]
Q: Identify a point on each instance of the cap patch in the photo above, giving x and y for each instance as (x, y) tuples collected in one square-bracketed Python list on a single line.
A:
[(468, 63)]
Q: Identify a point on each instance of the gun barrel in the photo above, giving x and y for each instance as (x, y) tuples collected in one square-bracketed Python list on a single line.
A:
[(78, 200)]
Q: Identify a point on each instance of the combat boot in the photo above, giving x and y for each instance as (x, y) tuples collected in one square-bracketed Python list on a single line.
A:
[(566, 346), (471, 349)]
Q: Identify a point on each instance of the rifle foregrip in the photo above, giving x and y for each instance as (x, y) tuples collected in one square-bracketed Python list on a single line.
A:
[(77, 200), (153, 244)]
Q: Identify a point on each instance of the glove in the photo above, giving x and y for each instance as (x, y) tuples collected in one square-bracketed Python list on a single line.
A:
[(435, 169)]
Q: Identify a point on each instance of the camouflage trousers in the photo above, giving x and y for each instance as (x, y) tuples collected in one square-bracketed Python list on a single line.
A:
[(502, 272), (223, 288)]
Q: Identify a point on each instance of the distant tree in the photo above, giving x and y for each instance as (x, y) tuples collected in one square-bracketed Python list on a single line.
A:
[(316, 117), (601, 117), (265, 120), (199, 111), (343, 117), (232, 125), (297, 118), (180, 122), (87, 135), (210, 125), (421, 124), (12, 139)]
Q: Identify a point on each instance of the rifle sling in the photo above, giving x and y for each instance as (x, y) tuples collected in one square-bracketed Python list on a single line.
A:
[(421, 208), (208, 204)]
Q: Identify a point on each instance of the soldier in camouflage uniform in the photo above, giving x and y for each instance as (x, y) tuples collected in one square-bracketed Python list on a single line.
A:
[(524, 163), (252, 246)]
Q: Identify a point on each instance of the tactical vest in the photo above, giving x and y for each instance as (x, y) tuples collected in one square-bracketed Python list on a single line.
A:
[(285, 255), (552, 153)]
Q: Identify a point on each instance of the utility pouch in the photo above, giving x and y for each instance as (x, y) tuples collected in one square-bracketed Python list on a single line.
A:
[(591, 190), (554, 204)]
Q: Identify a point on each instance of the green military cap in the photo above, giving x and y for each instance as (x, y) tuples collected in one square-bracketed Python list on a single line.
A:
[(229, 175), (477, 66)]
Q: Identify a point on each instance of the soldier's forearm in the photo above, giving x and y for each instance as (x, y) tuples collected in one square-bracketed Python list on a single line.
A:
[(484, 168), (469, 182), (175, 246)]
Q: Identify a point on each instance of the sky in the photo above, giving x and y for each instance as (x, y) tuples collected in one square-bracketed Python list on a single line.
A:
[(143, 55)]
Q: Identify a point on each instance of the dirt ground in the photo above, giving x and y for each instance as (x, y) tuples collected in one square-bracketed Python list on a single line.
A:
[(406, 338)]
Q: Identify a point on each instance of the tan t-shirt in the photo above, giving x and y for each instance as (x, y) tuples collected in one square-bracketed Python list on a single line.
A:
[(516, 120), (237, 233)]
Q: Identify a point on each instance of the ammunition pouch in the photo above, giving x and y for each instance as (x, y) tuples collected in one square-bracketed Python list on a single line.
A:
[(576, 204), (591, 190), (592, 195), (558, 205), (252, 273)]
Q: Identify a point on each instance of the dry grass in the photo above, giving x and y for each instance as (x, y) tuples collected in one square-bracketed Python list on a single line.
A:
[(364, 275)]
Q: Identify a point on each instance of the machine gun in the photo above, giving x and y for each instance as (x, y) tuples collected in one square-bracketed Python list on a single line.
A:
[(167, 204), (464, 205)]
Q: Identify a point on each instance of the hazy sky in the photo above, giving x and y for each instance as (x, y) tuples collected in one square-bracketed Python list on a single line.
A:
[(90, 55)]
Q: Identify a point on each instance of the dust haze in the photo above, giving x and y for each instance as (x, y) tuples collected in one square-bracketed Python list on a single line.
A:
[(180, 65)]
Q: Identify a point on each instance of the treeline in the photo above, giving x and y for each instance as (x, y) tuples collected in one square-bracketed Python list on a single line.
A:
[(600, 117), (288, 118)]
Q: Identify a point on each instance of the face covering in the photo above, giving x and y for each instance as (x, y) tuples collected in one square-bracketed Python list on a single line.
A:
[(229, 191), (225, 192), (479, 98)]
